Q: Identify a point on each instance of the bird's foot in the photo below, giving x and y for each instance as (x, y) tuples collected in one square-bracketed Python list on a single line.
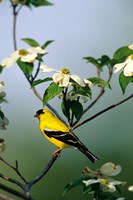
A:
[(57, 153)]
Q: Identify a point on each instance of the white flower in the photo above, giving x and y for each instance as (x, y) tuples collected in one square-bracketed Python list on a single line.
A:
[(110, 169), (130, 188), (111, 185), (63, 77), (25, 55), (127, 66), (106, 184)]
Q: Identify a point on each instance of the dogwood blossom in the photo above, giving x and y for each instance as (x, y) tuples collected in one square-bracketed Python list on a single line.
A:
[(63, 77), (105, 183), (25, 55), (127, 66)]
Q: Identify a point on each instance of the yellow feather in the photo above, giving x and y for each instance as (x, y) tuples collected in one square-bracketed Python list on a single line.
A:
[(49, 121), (59, 134)]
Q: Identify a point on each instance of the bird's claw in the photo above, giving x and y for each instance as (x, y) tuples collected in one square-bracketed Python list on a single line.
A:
[(57, 153)]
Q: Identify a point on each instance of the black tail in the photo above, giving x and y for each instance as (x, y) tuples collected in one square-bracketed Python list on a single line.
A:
[(86, 152)]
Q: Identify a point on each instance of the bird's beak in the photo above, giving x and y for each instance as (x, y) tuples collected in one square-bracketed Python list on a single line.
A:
[(36, 115)]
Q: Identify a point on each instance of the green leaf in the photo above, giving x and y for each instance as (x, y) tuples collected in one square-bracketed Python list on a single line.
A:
[(85, 91), (38, 3), (2, 115), (77, 109), (93, 61), (122, 53), (104, 60), (52, 91), (26, 67), (99, 82), (124, 81), (46, 44), (31, 42), (65, 108), (2, 97), (39, 81), (74, 183), (1, 68)]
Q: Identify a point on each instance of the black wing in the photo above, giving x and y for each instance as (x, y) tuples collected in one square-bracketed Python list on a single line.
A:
[(65, 137), (71, 140)]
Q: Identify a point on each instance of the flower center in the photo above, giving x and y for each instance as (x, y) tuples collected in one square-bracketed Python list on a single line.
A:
[(65, 71), (23, 52), (131, 57), (19, 1), (105, 181)]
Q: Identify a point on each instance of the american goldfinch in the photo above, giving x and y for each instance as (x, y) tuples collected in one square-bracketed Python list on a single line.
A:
[(59, 134)]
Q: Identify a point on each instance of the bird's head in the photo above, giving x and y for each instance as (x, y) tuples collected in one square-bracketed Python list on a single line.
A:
[(42, 114), (39, 113)]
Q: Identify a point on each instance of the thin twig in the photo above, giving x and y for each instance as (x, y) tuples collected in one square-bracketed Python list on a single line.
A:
[(27, 184), (4, 197), (102, 90), (14, 192), (44, 172), (103, 111), (37, 71), (15, 169)]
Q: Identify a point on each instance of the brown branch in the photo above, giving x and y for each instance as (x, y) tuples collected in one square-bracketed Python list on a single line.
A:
[(103, 111)]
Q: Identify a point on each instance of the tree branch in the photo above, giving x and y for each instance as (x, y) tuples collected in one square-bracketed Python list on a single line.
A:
[(102, 111), (14, 192), (44, 172), (27, 184), (102, 90)]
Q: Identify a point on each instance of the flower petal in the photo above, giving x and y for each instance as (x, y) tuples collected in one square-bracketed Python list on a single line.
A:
[(30, 57), (78, 80), (8, 62), (91, 181), (61, 79), (88, 83), (130, 188), (110, 169), (128, 70), (46, 68), (120, 66), (130, 46), (37, 50)]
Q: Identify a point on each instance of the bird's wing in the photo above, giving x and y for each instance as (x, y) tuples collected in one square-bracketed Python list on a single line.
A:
[(65, 137)]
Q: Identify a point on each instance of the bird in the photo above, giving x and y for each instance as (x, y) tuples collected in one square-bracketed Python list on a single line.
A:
[(59, 134)]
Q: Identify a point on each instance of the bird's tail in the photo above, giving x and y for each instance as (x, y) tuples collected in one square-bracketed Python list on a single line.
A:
[(89, 155)]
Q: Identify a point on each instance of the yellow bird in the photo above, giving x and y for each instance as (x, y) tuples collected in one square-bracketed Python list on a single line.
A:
[(59, 134)]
